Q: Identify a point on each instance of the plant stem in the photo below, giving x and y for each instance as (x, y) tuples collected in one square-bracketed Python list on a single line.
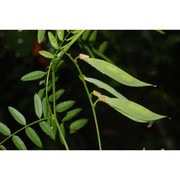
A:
[(54, 108), (89, 97)]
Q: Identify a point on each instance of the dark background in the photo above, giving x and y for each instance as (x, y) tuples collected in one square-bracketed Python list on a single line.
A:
[(148, 55)]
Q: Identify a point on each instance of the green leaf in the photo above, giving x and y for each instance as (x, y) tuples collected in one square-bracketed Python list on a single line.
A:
[(60, 34), (71, 114), (76, 125), (35, 75), (130, 109), (61, 126), (45, 110), (104, 86), (40, 36), (63, 106), (85, 35), (37, 105), (46, 54), (52, 40), (58, 94), (41, 93), (93, 37), (17, 115), (32, 135), (18, 143), (161, 32), (47, 129), (4, 129), (2, 147), (114, 72), (103, 47)]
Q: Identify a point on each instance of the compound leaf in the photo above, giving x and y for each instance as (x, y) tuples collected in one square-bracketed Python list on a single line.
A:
[(33, 76), (103, 46), (60, 34), (47, 129), (3, 147), (4, 129), (52, 40), (46, 54), (63, 106), (61, 126), (58, 94), (32, 135), (17, 116), (38, 105), (18, 143), (76, 125), (71, 114), (40, 35)]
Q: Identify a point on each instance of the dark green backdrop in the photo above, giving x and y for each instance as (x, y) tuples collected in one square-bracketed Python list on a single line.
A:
[(148, 55)]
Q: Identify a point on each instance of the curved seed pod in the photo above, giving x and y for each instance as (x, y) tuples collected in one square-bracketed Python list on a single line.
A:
[(104, 86), (130, 109), (114, 72)]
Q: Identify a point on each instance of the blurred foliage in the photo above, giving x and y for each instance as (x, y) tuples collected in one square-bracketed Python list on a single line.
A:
[(148, 55)]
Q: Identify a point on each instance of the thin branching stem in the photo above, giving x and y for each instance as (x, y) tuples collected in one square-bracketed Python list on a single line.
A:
[(90, 100)]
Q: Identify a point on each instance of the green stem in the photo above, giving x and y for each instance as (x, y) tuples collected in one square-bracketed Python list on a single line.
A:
[(30, 124), (54, 109), (90, 100)]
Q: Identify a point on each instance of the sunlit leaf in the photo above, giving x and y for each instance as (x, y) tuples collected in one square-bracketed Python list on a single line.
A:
[(33, 76), (17, 115), (161, 32), (58, 94), (76, 125), (46, 54), (47, 129), (130, 109), (40, 36), (38, 105), (4, 129), (18, 143), (60, 34), (52, 40), (32, 135), (114, 72), (71, 114), (63, 106), (104, 86)]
